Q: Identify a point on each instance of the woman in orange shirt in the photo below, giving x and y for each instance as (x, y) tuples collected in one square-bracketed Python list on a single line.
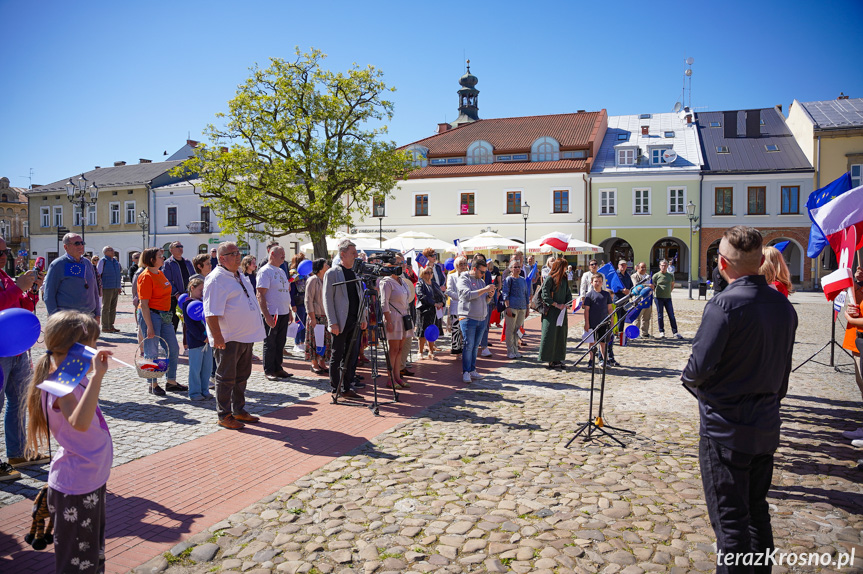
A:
[(154, 294)]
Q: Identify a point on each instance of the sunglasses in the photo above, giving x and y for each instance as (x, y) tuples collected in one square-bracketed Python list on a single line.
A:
[(179, 246), (6, 252), (232, 253), (77, 243)]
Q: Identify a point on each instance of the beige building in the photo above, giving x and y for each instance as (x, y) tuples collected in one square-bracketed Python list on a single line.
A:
[(14, 227)]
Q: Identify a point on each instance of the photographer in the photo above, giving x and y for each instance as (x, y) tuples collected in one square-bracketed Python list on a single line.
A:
[(473, 298), (342, 296)]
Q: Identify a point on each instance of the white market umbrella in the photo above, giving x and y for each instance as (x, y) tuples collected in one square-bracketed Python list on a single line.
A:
[(575, 247), (490, 241), (418, 241), (363, 241)]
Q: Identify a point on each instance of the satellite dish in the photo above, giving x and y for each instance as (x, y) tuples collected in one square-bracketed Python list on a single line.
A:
[(677, 107), (689, 61), (669, 155)]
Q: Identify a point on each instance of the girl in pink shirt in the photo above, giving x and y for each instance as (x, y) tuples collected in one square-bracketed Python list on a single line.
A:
[(80, 467)]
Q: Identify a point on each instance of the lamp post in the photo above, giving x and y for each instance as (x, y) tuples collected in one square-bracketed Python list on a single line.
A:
[(143, 223), (379, 213), (693, 219), (77, 193), (525, 211)]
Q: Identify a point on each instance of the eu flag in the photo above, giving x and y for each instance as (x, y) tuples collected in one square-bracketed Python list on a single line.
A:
[(71, 372), (610, 274), (817, 240), (74, 269)]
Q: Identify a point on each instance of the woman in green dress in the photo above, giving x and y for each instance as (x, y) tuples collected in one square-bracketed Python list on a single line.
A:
[(557, 296)]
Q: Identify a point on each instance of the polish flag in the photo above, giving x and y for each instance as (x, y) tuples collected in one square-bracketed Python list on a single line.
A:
[(557, 241), (837, 282), (842, 278), (837, 215)]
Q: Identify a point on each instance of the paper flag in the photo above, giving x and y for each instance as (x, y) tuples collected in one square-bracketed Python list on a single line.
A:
[(72, 371)]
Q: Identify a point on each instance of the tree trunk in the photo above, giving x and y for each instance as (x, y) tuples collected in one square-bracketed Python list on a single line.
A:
[(319, 243)]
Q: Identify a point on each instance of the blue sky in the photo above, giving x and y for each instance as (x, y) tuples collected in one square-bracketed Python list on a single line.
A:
[(89, 83)]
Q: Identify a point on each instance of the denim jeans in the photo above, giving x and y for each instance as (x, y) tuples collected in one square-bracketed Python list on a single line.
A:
[(735, 490), (166, 331), (662, 303), (301, 332), (16, 372), (200, 369), (472, 331)]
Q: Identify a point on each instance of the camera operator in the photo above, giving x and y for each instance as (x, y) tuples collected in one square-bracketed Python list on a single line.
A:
[(342, 307)]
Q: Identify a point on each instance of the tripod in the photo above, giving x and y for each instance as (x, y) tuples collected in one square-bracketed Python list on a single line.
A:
[(370, 300), (598, 424), (831, 343)]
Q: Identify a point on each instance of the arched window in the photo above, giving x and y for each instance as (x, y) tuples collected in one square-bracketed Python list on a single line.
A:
[(4, 198), (418, 155), (479, 152), (545, 149)]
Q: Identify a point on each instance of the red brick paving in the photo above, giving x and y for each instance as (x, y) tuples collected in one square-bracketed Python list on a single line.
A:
[(157, 501)]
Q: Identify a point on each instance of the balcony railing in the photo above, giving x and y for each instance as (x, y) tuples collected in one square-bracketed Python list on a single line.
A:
[(198, 226)]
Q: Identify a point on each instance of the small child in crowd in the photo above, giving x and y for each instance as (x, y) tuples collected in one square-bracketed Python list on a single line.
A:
[(81, 466), (597, 306), (200, 351)]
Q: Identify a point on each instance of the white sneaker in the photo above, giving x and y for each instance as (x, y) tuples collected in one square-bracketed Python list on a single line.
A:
[(299, 349), (518, 355), (465, 378), (661, 335), (475, 375), (853, 434), (678, 336), (510, 356), (485, 353), (858, 443)]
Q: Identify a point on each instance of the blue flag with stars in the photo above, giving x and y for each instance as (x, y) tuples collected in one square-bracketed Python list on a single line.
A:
[(71, 372), (421, 260), (610, 273), (817, 240), (74, 269)]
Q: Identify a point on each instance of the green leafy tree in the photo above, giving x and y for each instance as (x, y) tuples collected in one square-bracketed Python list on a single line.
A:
[(301, 151)]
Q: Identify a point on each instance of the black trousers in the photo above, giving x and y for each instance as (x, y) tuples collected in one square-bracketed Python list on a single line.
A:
[(274, 345), (735, 489), (233, 367), (343, 356)]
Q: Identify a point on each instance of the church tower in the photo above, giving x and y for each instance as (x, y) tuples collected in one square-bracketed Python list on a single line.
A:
[(468, 99)]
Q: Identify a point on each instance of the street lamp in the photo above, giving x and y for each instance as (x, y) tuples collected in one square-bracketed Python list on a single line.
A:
[(77, 192), (143, 223), (693, 219), (525, 211), (379, 213)]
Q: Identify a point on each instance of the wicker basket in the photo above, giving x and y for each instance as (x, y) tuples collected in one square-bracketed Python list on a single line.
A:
[(152, 367)]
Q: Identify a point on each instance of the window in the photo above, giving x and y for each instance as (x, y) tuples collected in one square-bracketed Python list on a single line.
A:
[(669, 134), (641, 199), (716, 124), (561, 201), (25, 229), (645, 116), (545, 149), (479, 152), (622, 137), (5, 228), (467, 205), (656, 155), (205, 214), (626, 157), (790, 199), (575, 154), (421, 204), (757, 198), (76, 216), (58, 216), (722, 149), (608, 202), (856, 175), (378, 203), (447, 161), (114, 213), (771, 147), (172, 217), (513, 202), (513, 157), (130, 212), (45, 216), (91, 215), (677, 200), (418, 156), (723, 201)]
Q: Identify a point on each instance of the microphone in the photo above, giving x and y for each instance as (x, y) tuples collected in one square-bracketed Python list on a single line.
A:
[(40, 264)]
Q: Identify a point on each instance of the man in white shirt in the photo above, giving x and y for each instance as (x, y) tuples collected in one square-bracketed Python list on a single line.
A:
[(234, 324), (274, 297), (586, 279)]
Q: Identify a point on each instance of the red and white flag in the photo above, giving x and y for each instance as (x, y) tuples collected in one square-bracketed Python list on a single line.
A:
[(837, 215), (845, 242), (557, 241)]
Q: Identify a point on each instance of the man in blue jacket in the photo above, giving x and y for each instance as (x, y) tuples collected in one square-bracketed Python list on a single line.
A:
[(112, 279), (177, 271), (738, 370), (70, 282)]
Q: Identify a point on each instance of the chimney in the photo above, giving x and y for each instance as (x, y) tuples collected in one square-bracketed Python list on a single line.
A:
[(579, 111), (645, 130), (729, 128), (842, 96), (779, 107), (689, 118), (753, 123), (98, 167), (142, 160), (444, 127), (191, 143), (119, 163)]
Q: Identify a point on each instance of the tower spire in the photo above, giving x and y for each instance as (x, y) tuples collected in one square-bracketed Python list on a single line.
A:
[(468, 99)]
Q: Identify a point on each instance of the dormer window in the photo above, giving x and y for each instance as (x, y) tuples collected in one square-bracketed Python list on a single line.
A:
[(545, 149), (622, 137), (418, 156), (479, 152), (626, 156), (656, 155), (669, 134)]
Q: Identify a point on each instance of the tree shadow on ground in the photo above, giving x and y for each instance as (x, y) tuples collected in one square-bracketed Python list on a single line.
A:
[(131, 411)]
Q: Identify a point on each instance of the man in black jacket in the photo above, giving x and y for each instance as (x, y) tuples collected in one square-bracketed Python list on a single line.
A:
[(738, 370)]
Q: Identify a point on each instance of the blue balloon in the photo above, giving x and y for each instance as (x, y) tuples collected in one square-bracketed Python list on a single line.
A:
[(21, 329), (305, 267), (195, 309), (432, 333), (449, 264), (632, 332), (182, 298)]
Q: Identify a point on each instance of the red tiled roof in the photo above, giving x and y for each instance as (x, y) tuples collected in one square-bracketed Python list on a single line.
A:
[(500, 168), (513, 135)]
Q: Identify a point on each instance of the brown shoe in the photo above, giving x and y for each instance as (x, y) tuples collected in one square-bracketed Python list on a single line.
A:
[(246, 418), (352, 395), (22, 461), (229, 422)]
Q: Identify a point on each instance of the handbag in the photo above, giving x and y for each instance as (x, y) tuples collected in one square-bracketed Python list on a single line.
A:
[(457, 342), (537, 304)]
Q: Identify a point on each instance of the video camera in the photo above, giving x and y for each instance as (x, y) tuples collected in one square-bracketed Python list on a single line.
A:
[(386, 268)]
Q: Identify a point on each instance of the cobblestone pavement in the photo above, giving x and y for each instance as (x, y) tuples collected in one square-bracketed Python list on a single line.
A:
[(484, 482)]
